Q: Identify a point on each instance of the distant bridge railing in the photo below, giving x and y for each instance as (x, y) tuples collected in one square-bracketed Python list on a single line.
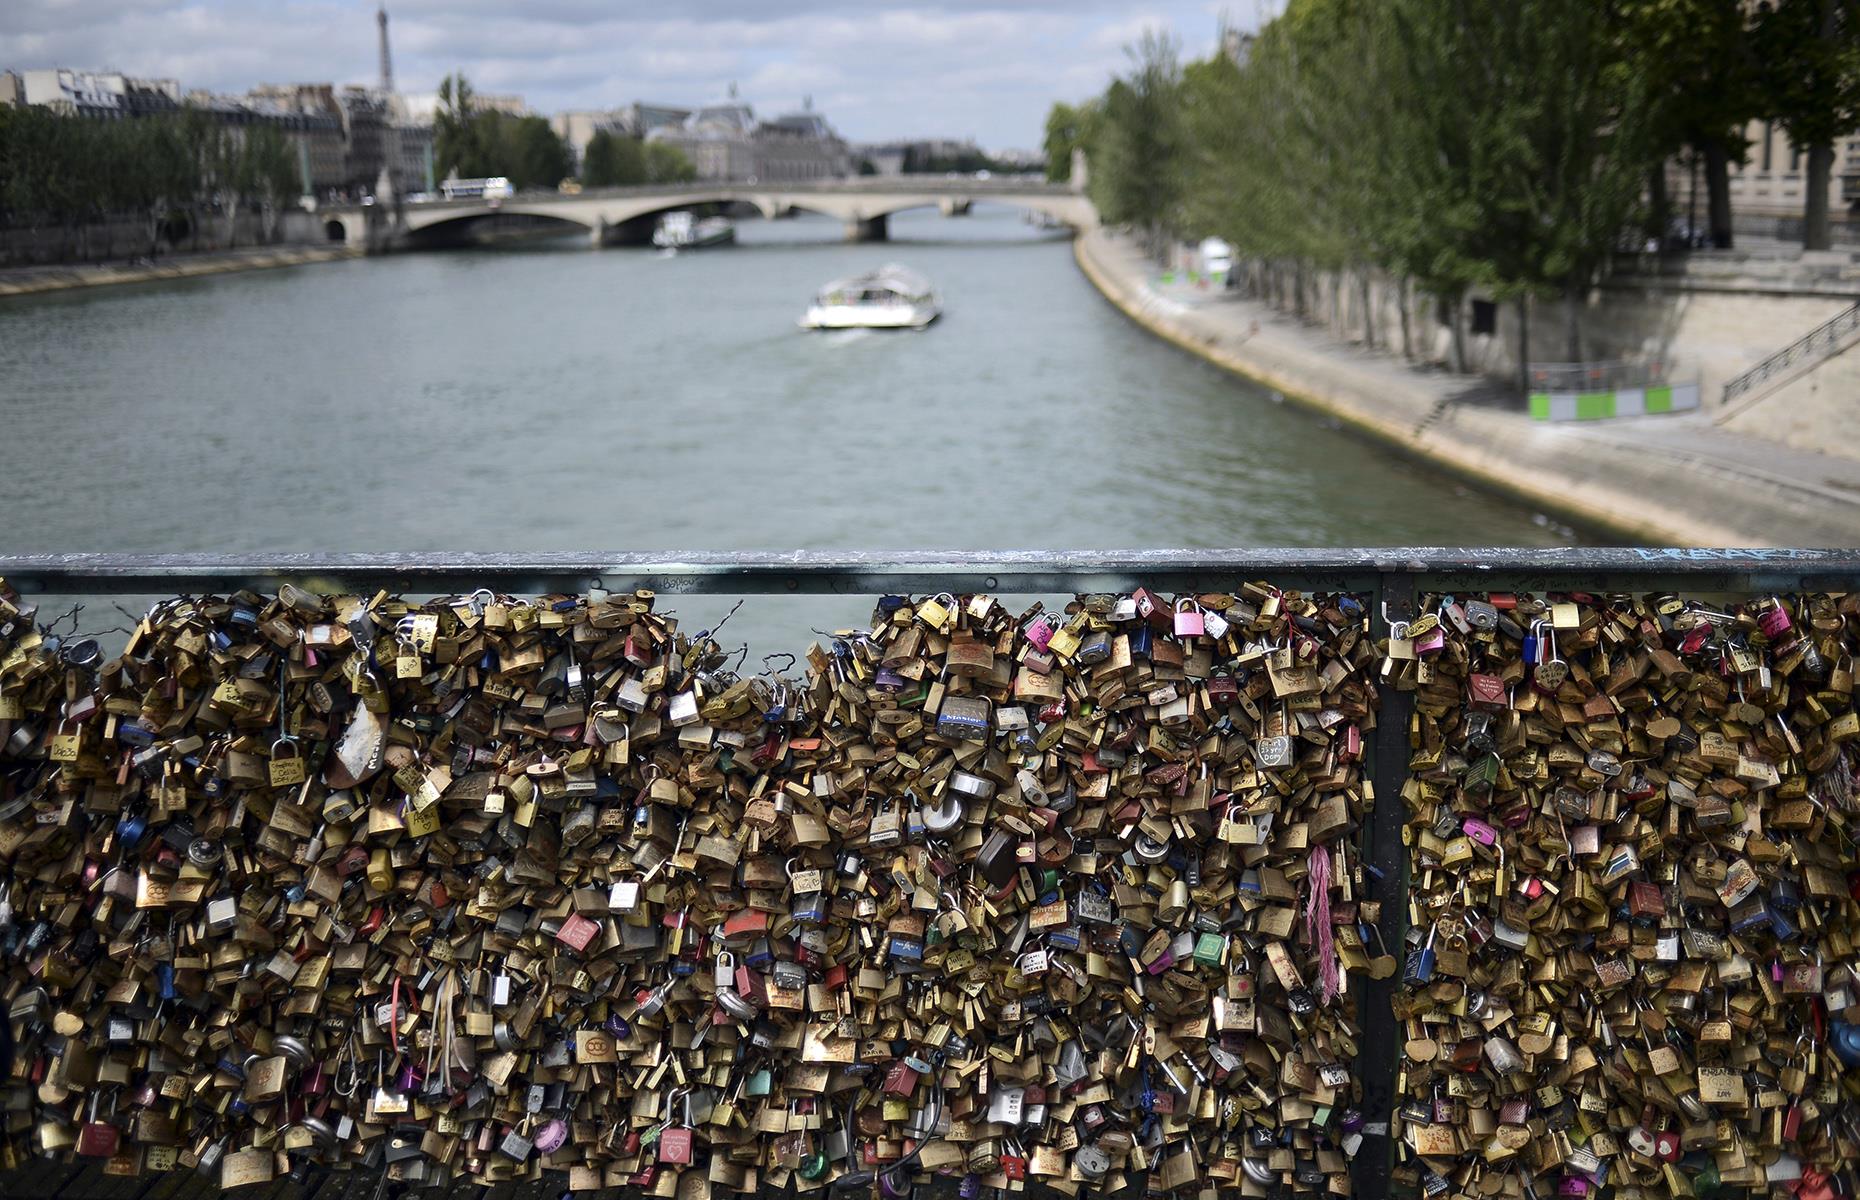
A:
[(965, 185)]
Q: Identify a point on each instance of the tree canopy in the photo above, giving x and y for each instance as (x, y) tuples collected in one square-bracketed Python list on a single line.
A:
[(1506, 145), (480, 143), (616, 160)]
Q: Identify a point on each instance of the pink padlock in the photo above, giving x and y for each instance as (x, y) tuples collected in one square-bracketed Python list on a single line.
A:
[(1775, 621), (1189, 622), (1041, 630), (1479, 831), (1431, 642)]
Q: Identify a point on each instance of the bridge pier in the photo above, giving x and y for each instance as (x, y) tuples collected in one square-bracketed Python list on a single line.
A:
[(869, 229), (952, 206)]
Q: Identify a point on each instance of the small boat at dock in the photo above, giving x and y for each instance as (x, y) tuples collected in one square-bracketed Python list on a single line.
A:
[(683, 231)]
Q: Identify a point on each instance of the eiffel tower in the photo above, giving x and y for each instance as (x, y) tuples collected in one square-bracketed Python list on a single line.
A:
[(386, 188)]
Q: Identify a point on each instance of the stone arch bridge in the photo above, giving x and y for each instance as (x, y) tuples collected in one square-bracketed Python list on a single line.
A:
[(626, 215)]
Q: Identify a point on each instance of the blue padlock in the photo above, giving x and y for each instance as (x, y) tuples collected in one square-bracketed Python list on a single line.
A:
[(164, 981), (809, 908), (129, 830), (1844, 1038), (1420, 965)]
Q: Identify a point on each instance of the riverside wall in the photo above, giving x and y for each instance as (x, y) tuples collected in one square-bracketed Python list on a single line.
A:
[(26, 281), (1670, 480)]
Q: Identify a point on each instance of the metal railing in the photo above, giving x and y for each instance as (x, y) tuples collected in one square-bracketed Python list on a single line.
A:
[(1819, 342), (1389, 580), (1597, 376)]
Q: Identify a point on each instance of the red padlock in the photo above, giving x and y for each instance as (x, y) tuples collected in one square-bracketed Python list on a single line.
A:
[(900, 1079), (675, 1146), (98, 1139), (1486, 689)]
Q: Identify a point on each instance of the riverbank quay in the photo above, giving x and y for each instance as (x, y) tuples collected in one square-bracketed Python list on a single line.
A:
[(28, 281), (1673, 479)]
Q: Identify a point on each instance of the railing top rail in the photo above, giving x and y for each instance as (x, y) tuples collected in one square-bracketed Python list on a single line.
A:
[(1848, 316), (1007, 571)]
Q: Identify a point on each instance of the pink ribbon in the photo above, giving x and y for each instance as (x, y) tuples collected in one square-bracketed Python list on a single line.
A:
[(1317, 920)]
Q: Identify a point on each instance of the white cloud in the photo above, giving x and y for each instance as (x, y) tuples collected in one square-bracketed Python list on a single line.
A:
[(982, 68)]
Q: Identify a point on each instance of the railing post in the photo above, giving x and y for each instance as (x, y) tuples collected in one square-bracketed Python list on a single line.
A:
[(1385, 881)]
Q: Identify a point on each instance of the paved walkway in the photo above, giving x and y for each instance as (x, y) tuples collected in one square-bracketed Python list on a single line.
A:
[(1674, 480), (22, 281)]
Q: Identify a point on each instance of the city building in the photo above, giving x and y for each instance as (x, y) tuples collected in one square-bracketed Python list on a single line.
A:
[(640, 118), (577, 129), (365, 126), (1769, 190), (310, 117), (508, 103), (902, 157), (725, 141), (415, 142), (102, 94)]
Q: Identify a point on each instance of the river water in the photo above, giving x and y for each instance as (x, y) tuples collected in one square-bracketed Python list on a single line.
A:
[(551, 397)]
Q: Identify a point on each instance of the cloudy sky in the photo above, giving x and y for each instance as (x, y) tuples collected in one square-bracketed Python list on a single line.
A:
[(981, 68)]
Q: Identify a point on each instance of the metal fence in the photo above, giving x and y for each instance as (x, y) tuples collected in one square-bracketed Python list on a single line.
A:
[(1817, 343), (1388, 579), (1598, 376)]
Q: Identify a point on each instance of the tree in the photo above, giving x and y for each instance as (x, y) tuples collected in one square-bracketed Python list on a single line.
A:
[(532, 154), (1704, 88), (1135, 176), (668, 164), (1068, 128), (456, 146), (1810, 50), (612, 160), (271, 173), (483, 143)]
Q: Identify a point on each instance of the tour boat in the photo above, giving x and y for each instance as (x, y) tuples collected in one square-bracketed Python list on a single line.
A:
[(891, 297), (682, 231)]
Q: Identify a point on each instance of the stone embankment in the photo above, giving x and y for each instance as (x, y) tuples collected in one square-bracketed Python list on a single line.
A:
[(1660, 480), (23, 281)]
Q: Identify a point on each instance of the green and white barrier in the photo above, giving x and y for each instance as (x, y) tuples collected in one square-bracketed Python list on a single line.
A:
[(1614, 402)]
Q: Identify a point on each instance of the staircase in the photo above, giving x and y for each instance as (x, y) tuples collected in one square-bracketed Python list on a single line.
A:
[(1817, 345)]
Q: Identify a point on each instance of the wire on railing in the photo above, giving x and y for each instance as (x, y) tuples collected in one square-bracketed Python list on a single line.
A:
[(1827, 334)]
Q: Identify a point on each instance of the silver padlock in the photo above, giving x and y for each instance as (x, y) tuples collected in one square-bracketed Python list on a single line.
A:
[(1273, 753), (1006, 1105), (946, 814)]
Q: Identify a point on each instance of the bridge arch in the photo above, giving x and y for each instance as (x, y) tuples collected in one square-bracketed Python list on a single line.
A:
[(627, 214)]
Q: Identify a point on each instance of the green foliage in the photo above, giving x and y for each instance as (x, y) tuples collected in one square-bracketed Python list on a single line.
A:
[(1811, 53), (479, 143), (1068, 127), (68, 171), (668, 164), (1810, 50), (615, 160), (1497, 144), (966, 162), (1135, 171)]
